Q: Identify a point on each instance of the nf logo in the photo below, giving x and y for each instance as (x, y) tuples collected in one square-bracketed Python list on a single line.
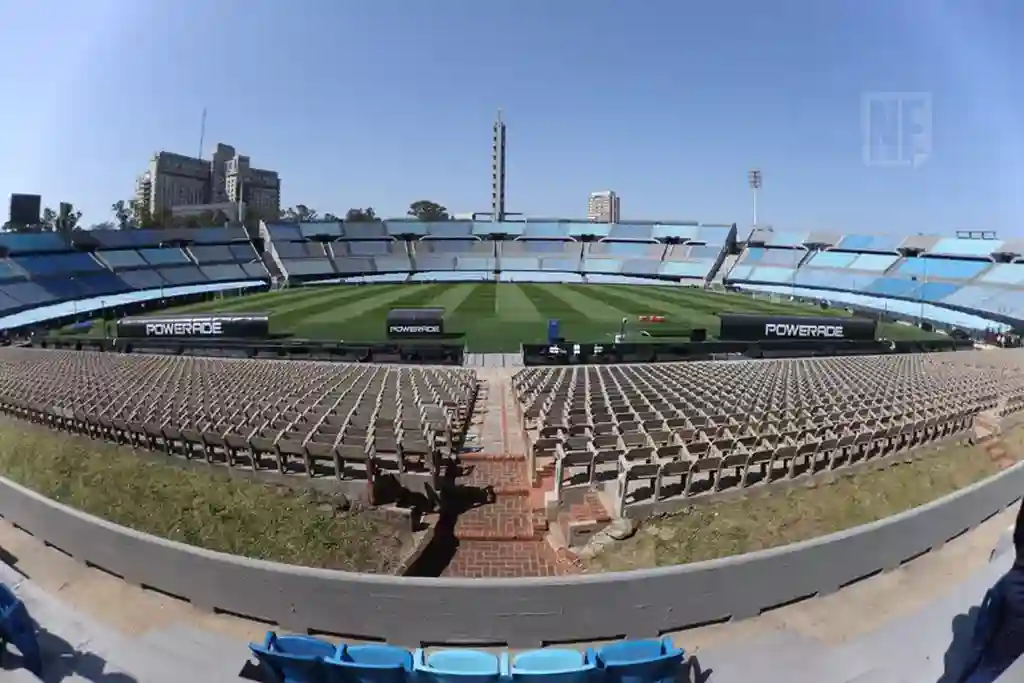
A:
[(896, 128)]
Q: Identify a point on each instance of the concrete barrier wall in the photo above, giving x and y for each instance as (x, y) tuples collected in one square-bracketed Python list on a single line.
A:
[(515, 612)]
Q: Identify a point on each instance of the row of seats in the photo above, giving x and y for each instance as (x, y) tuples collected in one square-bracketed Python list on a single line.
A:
[(350, 422), (894, 265), (41, 292), (887, 242), (307, 659), (463, 229), (202, 255), (490, 249), (39, 269), (974, 284), (665, 433), (312, 259), (91, 240), (74, 263), (36, 243)]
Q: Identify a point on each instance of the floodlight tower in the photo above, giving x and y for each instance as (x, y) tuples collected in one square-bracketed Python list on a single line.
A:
[(754, 178), (498, 169)]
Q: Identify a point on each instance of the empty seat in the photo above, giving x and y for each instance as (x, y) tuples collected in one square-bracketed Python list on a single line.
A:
[(459, 666), (680, 430), (293, 659), (352, 422), (650, 661)]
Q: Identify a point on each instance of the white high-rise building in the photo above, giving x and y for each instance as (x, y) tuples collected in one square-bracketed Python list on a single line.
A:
[(176, 180), (603, 207)]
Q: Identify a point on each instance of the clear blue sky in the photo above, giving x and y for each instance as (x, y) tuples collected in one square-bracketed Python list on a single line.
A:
[(669, 102)]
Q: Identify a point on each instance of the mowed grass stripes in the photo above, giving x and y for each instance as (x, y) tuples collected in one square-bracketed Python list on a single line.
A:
[(491, 317)]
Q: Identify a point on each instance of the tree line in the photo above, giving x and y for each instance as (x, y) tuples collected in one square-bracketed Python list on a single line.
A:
[(131, 215), (424, 210)]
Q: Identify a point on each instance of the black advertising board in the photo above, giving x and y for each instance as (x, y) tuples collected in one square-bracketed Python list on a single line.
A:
[(234, 326), (24, 209), (570, 353), (293, 349), (751, 327), (409, 323)]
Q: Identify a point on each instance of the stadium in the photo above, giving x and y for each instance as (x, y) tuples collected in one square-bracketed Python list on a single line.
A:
[(335, 427)]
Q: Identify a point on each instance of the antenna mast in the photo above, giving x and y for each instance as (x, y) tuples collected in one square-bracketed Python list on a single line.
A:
[(202, 134)]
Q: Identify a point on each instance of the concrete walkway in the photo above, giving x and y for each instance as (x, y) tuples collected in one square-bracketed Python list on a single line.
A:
[(98, 628), (80, 647), (891, 628), (912, 625)]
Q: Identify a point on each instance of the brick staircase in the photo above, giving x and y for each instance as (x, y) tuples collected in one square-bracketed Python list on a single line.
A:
[(514, 530), (988, 431), (506, 536), (580, 515)]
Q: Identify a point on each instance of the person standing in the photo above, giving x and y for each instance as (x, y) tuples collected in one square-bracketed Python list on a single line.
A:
[(1004, 617)]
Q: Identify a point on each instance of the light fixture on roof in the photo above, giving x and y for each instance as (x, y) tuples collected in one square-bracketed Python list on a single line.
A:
[(754, 178)]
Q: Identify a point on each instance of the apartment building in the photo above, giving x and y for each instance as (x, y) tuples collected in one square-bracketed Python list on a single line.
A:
[(175, 180), (603, 207)]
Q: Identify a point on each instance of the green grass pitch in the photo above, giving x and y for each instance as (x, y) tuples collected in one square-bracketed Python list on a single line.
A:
[(499, 317)]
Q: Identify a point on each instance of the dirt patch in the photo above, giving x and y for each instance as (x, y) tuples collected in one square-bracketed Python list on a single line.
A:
[(735, 527)]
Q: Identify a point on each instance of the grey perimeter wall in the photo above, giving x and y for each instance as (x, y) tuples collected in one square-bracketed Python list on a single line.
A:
[(514, 612)]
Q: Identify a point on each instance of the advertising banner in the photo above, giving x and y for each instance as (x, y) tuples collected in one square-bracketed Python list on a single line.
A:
[(415, 323), (751, 327), (235, 326)]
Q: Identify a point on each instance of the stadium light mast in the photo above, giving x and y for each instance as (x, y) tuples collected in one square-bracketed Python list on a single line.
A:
[(498, 145), (754, 178)]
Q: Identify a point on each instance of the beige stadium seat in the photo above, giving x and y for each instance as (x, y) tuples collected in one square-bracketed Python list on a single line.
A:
[(351, 422), (715, 426)]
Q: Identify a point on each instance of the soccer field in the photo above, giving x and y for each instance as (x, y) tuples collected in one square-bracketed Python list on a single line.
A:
[(491, 317)]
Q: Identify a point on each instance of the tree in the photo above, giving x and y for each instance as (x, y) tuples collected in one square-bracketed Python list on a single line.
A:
[(124, 213), (105, 225), (166, 219), (48, 220), (361, 215), (51, 221), (141, 217), (330, 217), (426, 210), (220, 218), (251, 218), (71, 222), (300, 213)]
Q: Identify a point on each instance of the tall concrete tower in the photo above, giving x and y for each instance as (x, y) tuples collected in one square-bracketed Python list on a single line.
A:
[(498, 170)]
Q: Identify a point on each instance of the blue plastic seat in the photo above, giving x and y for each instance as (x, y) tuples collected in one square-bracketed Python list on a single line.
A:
[(18, 629), (459, 666), (640, 661), (369, 664), (553, 665), (294, 659)]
